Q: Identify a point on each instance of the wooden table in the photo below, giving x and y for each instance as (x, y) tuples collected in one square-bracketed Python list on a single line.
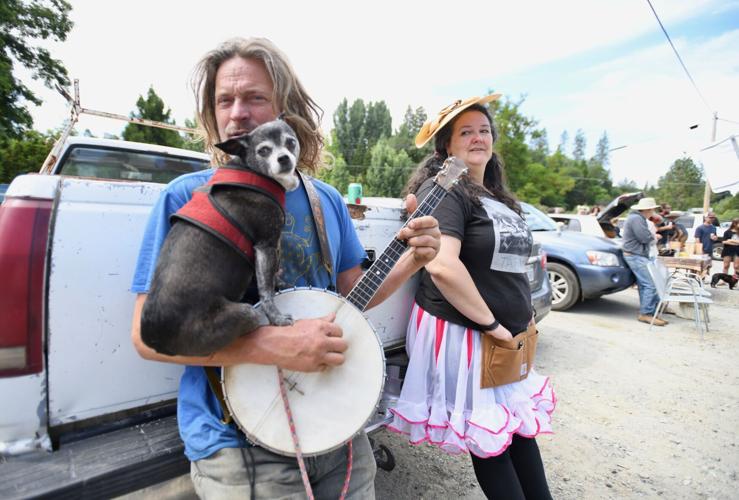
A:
[(696, 263)]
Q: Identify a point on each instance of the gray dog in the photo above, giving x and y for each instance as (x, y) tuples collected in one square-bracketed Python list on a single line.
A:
[(193, 307)]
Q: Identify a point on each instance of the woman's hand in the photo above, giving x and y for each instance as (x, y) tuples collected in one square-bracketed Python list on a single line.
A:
[(500, 333)]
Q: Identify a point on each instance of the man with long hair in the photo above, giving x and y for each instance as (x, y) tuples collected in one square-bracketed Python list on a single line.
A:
[(240, 85)]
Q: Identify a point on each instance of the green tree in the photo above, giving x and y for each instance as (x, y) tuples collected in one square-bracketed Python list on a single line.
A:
[(24, 154), (336, 174), (602, 150), (625, 186), (563, 139), (152, 108), (539, 146), (358, 128), (389, 170), (545, 186), (23, 23), (193, 142), (514, 130), (727, 208), (405, 138), (578, 149), (682, 186)]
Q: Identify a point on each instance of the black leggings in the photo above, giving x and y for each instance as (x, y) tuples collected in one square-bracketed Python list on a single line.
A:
[(515, 474)]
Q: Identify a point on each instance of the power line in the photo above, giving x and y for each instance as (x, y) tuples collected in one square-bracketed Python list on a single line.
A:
[(679, 58)]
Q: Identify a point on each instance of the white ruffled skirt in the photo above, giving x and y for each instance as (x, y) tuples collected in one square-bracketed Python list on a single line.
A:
[(441, 401)]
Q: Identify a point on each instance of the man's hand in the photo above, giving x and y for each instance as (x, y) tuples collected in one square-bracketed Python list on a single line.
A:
[(421, 234), (309, 345)]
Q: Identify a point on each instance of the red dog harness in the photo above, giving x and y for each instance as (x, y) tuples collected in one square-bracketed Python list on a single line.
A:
[(204, 211)]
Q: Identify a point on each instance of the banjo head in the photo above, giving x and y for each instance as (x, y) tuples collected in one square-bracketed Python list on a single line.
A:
[(328, 407)]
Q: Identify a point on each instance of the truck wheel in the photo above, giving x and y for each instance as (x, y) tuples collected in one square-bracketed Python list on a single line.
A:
[(384, 458), (716, 254), (565, 287)]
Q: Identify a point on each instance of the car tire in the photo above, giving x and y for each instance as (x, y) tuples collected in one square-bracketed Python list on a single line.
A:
[(565, 286), (717, 249)]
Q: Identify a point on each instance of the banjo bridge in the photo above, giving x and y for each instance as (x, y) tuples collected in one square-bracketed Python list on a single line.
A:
[(292, 385)]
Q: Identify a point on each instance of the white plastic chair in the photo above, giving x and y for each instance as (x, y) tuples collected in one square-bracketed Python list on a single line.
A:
[(672, 288)]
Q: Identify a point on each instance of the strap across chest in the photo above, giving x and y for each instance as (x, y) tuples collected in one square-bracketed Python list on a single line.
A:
[(204, 211)]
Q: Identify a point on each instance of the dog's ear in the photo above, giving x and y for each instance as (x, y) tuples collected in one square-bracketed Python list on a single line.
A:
[(236, 146), (281, 116)]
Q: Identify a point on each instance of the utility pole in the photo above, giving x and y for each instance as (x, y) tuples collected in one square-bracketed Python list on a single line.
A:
[(707, 192)]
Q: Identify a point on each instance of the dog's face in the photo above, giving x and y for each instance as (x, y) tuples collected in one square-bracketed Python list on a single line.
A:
[(271, 149)]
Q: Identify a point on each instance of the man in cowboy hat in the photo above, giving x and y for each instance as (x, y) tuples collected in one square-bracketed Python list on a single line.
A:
[(637, 240)]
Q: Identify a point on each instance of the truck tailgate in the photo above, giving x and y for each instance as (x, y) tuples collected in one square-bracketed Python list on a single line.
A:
[(102, 466)]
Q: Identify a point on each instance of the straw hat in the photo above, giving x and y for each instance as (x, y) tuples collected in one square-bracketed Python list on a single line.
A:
[(432, 126), (645, 204), (674, 214)]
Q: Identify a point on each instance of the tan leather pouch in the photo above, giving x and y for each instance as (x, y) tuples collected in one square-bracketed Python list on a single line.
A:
[(505, 362)]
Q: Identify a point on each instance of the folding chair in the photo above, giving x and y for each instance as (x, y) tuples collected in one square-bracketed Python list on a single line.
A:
[(680, 290)]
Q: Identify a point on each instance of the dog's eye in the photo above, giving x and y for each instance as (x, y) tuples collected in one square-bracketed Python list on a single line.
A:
[(290, 143), (264, 151)]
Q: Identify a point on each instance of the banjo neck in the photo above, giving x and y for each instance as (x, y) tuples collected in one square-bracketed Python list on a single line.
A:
[(370, 282)]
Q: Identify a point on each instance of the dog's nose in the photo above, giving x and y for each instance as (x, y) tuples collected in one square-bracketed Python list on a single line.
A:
[(285, 163)]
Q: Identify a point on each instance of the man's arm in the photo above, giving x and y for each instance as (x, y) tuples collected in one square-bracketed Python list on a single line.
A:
[(308, 345)]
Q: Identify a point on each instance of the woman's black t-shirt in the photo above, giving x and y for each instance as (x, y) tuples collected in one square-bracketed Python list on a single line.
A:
[(496, 243)]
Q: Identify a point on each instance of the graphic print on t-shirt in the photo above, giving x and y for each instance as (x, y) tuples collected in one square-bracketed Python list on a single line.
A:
[(513, 239)]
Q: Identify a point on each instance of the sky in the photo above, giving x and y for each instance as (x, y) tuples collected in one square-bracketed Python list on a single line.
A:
[(596, 65)]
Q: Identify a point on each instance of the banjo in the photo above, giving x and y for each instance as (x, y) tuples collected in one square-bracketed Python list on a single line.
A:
[(328, 407)]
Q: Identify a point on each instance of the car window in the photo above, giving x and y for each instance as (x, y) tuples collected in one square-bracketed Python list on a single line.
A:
[(120, 164), (536, 219), (686, 220), (574, 225)]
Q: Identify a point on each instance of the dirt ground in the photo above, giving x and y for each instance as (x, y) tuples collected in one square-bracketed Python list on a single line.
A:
[(640, 414)]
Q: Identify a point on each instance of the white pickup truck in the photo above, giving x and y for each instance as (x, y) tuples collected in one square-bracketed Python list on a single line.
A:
[(81, 414)]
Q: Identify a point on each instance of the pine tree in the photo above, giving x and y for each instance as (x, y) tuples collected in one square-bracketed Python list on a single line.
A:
[(152, 108)]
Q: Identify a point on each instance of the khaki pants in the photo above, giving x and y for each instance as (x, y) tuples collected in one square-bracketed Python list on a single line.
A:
[(224, 475)]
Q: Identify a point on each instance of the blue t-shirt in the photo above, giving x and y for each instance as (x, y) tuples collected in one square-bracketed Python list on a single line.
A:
[(703, 234), (198, 411)]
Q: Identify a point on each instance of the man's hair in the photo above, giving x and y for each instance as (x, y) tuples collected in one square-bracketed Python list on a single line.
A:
[(289, 96)]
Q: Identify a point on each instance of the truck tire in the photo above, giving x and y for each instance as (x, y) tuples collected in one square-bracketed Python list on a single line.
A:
[(565, 286)]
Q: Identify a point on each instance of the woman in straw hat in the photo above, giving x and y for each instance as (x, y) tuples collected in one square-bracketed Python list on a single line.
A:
[(476, 286)]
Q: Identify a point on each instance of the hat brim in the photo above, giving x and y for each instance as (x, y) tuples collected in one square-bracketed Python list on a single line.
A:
[(431, 127), (648, 207)]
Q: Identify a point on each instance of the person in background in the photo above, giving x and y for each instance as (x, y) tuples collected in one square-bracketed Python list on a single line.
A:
[(714, 219), (652, 222), (730, 252), (679, 232), (706, 235), (476, 286), (637, 242), (665, 228)]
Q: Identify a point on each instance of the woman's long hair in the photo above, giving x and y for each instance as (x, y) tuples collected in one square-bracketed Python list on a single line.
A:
[(493, 180), (734, 225)]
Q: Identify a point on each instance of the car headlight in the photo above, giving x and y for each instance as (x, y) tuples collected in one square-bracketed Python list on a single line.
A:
[(604, 259)]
